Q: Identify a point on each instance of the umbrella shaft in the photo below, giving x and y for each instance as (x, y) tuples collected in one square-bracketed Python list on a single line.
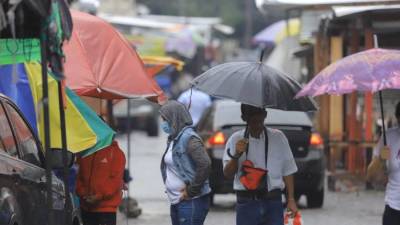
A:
[(383, 118)]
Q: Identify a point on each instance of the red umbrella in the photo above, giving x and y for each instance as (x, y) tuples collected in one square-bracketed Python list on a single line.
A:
[(101, 63)]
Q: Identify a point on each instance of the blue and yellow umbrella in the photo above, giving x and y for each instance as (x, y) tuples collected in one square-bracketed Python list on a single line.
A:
[(86, 132)]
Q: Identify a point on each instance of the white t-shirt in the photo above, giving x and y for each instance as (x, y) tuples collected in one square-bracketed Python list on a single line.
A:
[(173, 183), (392, 195), (280, 158), (200, 102)]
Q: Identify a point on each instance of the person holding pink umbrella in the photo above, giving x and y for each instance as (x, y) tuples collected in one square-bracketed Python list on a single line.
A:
[(389, 157)]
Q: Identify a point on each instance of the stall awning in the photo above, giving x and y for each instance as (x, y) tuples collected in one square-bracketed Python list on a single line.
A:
[(287, 4), (343, 11), (321, 2)]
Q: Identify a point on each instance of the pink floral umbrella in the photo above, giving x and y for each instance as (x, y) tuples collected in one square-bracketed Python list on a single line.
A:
[(372, 70)]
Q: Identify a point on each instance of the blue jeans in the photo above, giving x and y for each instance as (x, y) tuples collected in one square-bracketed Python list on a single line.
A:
[(259, 212), (190, 212)]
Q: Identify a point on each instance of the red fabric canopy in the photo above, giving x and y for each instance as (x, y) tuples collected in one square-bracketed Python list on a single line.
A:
[(101, 63)]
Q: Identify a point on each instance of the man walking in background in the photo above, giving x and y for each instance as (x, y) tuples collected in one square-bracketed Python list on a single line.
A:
[(196, 101)]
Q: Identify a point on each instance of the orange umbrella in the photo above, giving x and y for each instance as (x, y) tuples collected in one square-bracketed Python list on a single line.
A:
[(101, 63)]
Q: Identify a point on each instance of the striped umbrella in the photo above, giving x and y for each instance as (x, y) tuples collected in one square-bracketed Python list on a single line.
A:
[(86, 132)]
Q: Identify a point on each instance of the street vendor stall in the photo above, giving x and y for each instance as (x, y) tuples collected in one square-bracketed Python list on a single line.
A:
[(49, 23)]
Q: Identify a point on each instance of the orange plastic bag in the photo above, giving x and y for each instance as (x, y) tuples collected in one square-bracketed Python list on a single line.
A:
[(296, 220), (251, 176)]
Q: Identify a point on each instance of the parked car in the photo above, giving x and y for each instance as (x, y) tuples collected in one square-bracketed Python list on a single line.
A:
[(143, 116), (22, 174), (224, 118)]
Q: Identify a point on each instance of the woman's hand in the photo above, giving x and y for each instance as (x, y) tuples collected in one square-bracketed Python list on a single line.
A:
[(184, 194)]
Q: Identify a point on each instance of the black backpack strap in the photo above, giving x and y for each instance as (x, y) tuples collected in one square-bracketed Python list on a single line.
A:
[(246, 135)]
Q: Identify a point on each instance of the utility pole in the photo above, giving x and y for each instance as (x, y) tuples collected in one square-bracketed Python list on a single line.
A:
[(248, 31)]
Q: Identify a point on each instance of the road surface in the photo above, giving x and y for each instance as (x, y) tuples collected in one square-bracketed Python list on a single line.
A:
[(355, 208)]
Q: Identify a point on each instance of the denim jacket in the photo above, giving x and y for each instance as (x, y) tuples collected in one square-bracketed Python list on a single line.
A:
[(183, 164)]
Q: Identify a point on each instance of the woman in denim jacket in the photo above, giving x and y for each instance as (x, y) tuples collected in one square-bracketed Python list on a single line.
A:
[(185, 167)]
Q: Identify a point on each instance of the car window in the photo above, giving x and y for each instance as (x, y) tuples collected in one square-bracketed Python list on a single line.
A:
[(26, 141), (7, 143)]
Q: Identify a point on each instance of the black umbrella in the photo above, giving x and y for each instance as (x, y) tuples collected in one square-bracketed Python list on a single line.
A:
[(253, 83)]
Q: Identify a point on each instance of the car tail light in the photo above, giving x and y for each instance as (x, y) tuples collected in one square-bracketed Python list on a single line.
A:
[(316, 140), (217, 139)]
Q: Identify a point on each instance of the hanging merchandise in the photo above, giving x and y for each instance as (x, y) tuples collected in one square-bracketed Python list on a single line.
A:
[(59, 28)]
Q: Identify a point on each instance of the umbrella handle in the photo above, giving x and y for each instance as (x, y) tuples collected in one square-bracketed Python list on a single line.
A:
[(190, 98), (246, 131), (262, 55), (376, 45), (383, 118)]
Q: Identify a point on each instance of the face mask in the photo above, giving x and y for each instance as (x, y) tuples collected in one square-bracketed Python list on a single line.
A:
[(165, 127)]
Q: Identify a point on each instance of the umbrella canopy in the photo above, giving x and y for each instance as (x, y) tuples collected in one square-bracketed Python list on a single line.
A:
[(255, 84), (276, 32), (159, 65), (101, 63), (156, 64), (86, 132), (161, 98), (371, 70)]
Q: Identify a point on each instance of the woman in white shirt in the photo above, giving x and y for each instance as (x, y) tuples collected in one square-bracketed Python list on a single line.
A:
[(185, 167)]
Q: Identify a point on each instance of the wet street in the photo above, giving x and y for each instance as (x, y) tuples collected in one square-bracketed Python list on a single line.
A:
[(354, 208)]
